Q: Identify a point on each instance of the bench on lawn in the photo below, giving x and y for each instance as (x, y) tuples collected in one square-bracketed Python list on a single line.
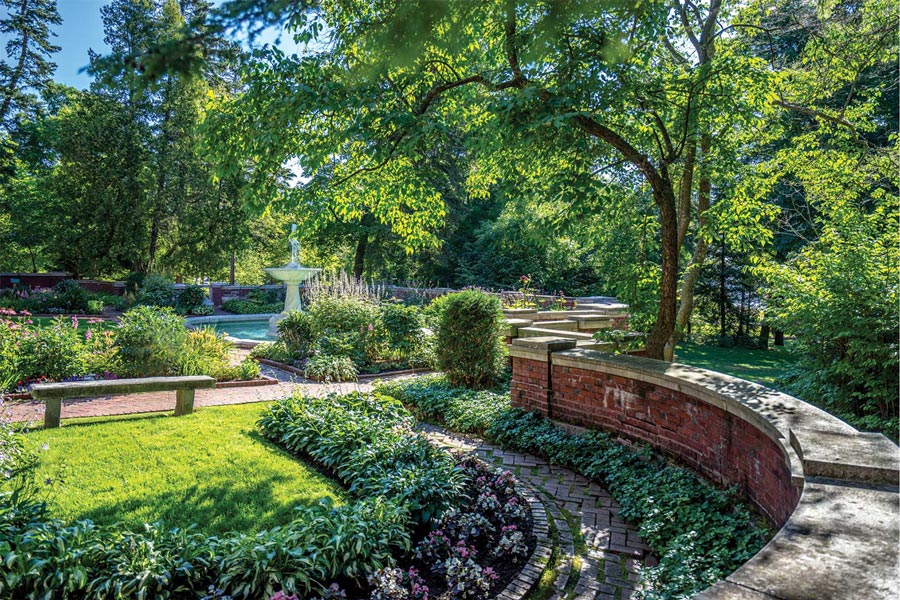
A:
[(54, 393)]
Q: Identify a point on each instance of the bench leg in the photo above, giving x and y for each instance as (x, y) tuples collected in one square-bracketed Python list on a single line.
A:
[(184, 402), (52, 410)]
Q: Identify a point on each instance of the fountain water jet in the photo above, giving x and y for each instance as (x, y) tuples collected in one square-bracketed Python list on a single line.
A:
[(292, 274)]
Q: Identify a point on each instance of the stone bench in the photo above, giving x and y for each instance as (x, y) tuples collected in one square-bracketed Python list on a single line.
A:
[(54, 393)]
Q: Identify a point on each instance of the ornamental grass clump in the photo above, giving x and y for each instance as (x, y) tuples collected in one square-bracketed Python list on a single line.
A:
[(469, 347)]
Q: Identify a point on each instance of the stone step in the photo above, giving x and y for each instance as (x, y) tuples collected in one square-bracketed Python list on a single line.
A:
[(530, 332)]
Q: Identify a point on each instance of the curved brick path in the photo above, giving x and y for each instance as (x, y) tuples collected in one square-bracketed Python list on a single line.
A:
[(598, 556)]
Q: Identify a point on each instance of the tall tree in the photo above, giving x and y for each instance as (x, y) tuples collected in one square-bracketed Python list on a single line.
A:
[(540, 90), (27, 68)]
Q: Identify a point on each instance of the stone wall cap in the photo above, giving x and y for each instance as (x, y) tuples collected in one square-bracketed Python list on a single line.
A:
[(840, 542), (86, 389), (538, 331), (519, 322), (864, 457), (545, 343)]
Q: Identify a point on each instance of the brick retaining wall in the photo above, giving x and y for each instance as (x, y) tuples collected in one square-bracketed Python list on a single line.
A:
[(831, 489)]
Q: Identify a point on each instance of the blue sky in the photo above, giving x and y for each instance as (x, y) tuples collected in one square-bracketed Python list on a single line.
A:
[(82, 29)]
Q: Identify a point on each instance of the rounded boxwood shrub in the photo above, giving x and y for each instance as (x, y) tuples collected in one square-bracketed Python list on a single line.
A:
[(468, 344)]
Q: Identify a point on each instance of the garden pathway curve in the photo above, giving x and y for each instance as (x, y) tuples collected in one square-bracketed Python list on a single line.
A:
[(29, 410), (599, 554)]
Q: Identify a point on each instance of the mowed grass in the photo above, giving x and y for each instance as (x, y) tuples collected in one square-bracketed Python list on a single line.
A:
[(760, 366), (83, 324), (211, 468)]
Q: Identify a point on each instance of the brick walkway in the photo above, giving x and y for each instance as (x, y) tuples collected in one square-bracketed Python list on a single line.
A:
[(165, 401), (598, 556)]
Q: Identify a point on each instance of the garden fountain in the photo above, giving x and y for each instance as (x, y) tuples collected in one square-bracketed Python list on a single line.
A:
[(292, 274)]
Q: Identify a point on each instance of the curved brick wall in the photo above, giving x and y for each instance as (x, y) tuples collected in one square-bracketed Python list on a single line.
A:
[(719, 445), (831, 489)]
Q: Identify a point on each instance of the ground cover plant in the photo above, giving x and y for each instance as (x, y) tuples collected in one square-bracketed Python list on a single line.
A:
[(418, 516), (211, 467), (469, 528), (700, 533)]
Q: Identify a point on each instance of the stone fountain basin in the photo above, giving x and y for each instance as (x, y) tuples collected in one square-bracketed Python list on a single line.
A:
[(292, 274)]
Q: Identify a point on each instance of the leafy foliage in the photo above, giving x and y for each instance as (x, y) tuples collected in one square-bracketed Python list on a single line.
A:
[(367, 441), (700, 533), (468, 343), (323, 367)]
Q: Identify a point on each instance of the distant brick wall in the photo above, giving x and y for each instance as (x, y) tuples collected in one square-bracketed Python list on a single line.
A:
[(721, 446), (48, 280)]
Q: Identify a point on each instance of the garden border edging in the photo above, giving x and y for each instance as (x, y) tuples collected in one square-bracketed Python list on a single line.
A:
[(837, 537)]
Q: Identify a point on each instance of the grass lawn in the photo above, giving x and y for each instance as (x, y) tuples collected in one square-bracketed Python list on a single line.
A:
[(82, 323), (760, 366), (211, 468)]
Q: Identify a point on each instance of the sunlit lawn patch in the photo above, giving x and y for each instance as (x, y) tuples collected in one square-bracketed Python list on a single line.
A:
[(760, 366), (211, 468)]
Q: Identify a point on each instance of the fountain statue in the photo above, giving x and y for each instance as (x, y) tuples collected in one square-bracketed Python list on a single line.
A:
[(292, 274)]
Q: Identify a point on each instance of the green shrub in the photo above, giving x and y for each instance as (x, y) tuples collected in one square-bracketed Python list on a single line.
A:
[(399, 331), (157, 291), (838, 297), (150, 341), (203, 310), (205, 353), (70, 296), (342, 315), (324, 367), (251, 307), (190, 298), (276, 351), (54, 352), (468, 343), (295, 331), (95, 307), (134, 281), (247, 370)]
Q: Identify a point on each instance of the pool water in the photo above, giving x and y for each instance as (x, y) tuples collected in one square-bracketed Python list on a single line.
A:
[(246, 330)]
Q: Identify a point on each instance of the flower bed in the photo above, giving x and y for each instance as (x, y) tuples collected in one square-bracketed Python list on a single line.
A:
[(471, 530), (340, 338), (700, 533), (148, 341)]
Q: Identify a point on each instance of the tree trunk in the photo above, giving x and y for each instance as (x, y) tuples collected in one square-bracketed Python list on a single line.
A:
[(360, 256), (231, 270), (695, 267), (779, 337), (668, 284), (722, 289), (764, 337)]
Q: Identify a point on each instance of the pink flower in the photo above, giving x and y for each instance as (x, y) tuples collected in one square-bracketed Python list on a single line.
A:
[(88, 334), (371, 327)]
